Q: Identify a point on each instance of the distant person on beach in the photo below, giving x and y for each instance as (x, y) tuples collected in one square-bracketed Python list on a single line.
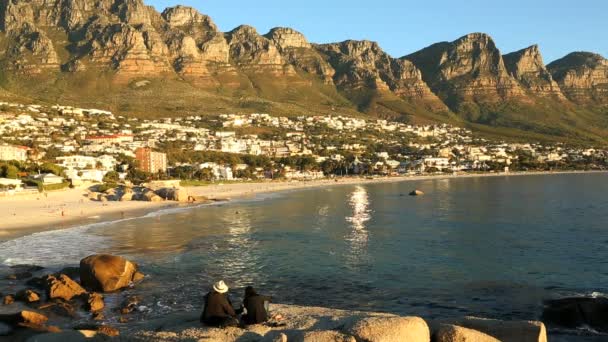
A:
[(218, 310), (256, 306)]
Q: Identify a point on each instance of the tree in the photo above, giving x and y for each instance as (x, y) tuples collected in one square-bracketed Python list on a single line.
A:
[(111, 177), (51, 168), (138, 176), (9, 171), (205, 174)]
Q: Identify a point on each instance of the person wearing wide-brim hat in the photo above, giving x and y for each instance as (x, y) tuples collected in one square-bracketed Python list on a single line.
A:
[(218, 310)]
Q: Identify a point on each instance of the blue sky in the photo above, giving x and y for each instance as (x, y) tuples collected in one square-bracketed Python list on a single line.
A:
[(404, 26)]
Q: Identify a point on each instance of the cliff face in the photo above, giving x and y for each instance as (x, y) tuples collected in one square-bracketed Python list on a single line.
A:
[(527, 67), (297, 51), (583, 77), (363, 65), (470, 69), (89, 42)]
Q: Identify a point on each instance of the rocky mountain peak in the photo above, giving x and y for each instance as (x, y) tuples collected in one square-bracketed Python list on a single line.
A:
[(133, 12), (286, 38), (184, 17), (527, 66), (363, 64), (247, 48), (582, 76), (467, 70)]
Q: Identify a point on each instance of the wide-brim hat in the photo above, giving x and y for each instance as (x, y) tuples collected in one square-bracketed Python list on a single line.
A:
[(220, 287)]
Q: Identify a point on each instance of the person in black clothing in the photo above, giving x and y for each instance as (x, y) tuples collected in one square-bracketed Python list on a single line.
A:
[(254, 304), (218, 310)]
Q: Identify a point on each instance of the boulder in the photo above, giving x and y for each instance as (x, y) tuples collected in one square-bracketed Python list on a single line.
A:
[(8, 300), (62, 287), (578, 312), (173, 194), (106, 273), (24, 317), (151, 196), (506, 331), (129, 304), (99, 329), (390, 329), (138, 277), (127, 197), (322, 336), (98, 316), (275, 337), (454, 333), (416, 193), (94, 302), (27, 296), (60, 308)]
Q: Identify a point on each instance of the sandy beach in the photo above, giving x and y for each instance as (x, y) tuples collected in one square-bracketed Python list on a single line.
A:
[(22, 215), (26, 214)]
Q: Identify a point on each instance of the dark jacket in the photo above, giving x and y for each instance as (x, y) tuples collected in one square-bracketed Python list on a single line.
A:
[(217, 305), (256, 312)]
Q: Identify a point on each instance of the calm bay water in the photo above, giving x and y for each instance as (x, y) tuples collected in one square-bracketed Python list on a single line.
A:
[(494, 247)]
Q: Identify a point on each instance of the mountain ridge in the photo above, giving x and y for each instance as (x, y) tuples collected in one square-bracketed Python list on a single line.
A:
[(101, 51)]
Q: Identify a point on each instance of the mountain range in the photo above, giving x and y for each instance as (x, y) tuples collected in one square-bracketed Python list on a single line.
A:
[(125, 56)]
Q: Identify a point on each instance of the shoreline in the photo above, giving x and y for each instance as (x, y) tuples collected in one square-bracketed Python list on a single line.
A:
[(29, 214)]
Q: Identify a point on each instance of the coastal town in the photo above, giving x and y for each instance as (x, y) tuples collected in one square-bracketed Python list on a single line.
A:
[(53, 147)]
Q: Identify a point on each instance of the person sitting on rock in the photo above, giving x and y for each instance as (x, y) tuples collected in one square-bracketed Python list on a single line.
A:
[(255, 305), (218, 310)]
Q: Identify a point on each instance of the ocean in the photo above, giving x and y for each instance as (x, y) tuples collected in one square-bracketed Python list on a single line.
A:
[(489, 246)]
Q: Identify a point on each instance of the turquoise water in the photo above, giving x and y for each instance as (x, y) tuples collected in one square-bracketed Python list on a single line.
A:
[(494, 247)]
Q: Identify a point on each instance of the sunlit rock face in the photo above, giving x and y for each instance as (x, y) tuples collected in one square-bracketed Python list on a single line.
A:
[(470, 68), (528, 68), (583, 77), (363, 64)]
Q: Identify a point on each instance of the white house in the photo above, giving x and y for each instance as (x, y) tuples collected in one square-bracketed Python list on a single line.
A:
[(14, 184), (50, 178), (77, 162)]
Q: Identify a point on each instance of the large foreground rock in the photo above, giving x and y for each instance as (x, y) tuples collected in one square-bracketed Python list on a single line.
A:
[(106, 273), (505, 331), (454, 333), (577, 312), (24, 317), (391, 329), (322, 336)]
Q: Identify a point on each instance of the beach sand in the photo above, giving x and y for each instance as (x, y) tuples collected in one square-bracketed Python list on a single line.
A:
[(26, 214), (23, 215)]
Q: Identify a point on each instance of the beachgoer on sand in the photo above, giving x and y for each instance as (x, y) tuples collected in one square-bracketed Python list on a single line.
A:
[(256, 306), (218, 310)]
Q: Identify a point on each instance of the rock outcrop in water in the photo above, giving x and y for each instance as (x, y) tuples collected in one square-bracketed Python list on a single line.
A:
[(578, 312), (106, 273)]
